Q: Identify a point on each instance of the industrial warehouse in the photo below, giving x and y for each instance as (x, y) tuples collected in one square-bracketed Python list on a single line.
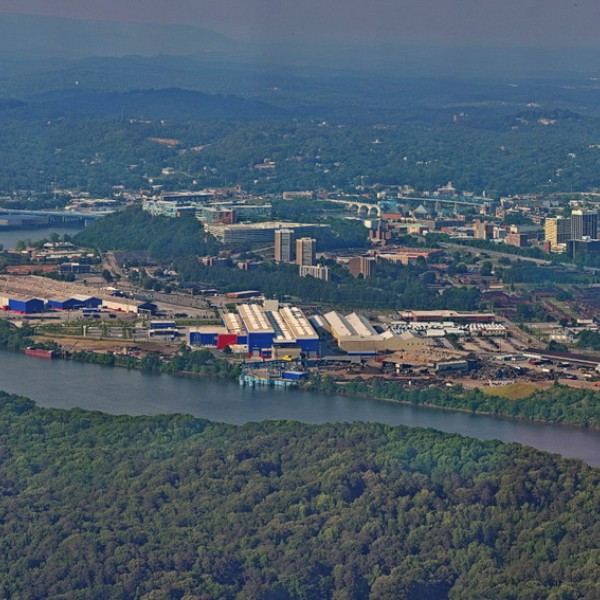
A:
[(267, 331), (34, 294), (279, 332), (355, 334), (244, 233)]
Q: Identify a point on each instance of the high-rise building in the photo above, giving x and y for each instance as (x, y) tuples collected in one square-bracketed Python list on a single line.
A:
[(584, 224), (284, 245), (583, 247), (361, 265), (557, 230), (306, 251)]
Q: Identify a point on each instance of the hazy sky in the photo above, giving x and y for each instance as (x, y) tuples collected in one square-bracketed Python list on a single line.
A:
[(463, 22)]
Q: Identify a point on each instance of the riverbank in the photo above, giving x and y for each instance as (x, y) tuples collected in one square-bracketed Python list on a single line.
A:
[(558, 405), (470, 412), (198, 363), (10, 238), (69, 384)]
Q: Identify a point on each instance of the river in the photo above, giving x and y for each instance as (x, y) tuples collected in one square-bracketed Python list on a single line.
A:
[(9, 238), (64, 384)]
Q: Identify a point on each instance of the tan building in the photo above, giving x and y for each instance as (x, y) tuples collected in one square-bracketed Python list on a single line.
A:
[(437, 316), (409, 256), (361, 265), (482, 230), (557, 231), (520, 240), (354, 334)]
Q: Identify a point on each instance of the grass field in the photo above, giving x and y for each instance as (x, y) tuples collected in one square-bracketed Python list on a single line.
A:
[(514, 391)]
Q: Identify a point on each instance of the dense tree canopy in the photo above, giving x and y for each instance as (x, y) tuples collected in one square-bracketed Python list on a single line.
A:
[(98, 506), (161, 237), (14, 338), (489, 151), (589, 339), (557, 404)]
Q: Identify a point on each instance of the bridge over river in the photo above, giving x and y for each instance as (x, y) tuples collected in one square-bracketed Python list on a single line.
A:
[(368, 209), (54, 216)]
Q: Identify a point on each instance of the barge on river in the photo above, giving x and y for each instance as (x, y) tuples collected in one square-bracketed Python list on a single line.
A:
[(40, 352)]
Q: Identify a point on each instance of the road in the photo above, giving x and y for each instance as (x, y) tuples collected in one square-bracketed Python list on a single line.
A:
[(497, 254), (538, 261), (109, 262)]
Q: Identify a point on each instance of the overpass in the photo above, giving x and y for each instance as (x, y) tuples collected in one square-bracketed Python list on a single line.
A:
[(498, 253)]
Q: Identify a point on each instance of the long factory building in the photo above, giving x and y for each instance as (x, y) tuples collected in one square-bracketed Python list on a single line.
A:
[(269, 331), (244, 233), (34, 294), (354, 334), (432, 316)]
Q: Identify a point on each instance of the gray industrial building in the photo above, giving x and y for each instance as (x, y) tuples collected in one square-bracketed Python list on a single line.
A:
[(245, 233)]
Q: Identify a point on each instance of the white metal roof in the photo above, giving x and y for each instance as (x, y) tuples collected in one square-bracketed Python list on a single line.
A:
[(297, 322), (254, 319), (361, 325)]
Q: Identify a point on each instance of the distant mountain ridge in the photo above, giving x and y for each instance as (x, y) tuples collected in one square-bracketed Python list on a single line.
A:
[(32, 36), (170, 103), (35, 37)]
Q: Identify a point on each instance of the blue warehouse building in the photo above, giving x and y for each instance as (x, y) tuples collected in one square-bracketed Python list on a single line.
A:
[(74, 302), (268, 332), (34, 294), (204, 338), (26, 306)]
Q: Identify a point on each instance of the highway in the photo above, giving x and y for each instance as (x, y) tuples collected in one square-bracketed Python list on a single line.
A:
[(497, 254)]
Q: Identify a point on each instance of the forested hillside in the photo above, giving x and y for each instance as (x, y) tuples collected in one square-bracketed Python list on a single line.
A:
[(161, 237), (93, 140), (99, 506)]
